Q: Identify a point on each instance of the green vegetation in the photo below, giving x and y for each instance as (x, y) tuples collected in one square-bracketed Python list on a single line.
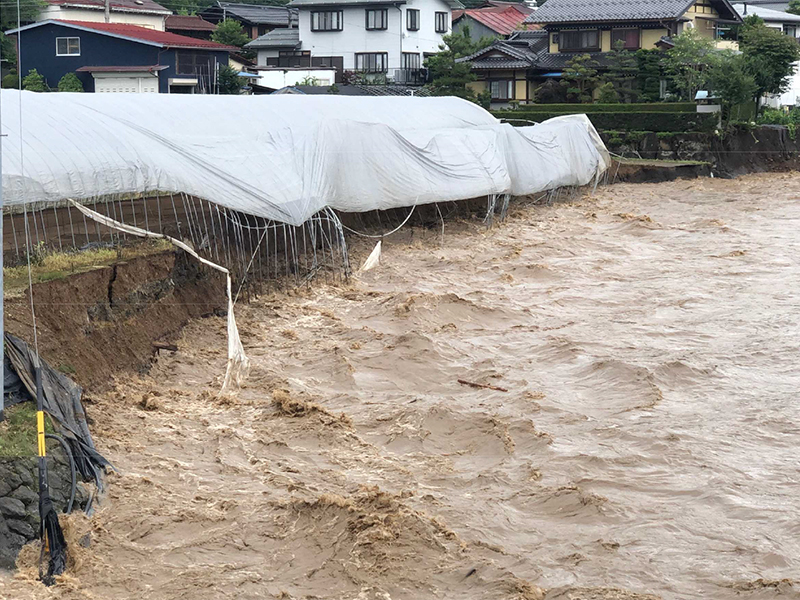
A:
[(18, 431), (450, 78), (580, 78), (621, 84), (57, 265), (228, 80), (768, 56), (10, 81), (34, 82), (70, 83), (231, 33), (650, 72), (665, 107), (627, 121)]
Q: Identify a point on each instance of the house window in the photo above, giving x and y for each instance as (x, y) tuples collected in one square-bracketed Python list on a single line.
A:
[(412, 19), (630, 38), (192, 63), (326, 20), (372, 62), (790, 30), (377, 18), (555, 39), (294, 58), (588, 39), (411, 60), (441, 22), (502, 89), (68, 46)]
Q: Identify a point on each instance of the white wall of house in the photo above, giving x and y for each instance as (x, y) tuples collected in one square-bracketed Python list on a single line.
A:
[(396, 39), (276, 78), (98, 16), (263, 54)]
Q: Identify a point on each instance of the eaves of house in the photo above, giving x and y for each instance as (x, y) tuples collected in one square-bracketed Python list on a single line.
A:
[(562, 12), (133, 33)]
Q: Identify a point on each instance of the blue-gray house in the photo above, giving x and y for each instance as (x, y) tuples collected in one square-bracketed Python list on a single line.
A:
[(116, 57)]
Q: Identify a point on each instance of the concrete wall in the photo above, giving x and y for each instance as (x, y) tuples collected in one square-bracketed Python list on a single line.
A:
[(278, 78)]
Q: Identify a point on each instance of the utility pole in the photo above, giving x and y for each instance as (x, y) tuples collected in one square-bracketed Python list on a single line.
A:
[(108, 11)]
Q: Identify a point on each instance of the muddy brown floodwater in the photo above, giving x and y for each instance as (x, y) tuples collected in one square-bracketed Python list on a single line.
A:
[(646, 446)]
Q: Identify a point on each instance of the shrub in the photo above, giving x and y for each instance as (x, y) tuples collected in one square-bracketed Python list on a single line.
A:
[(70, 83), (630, 121), (607, 94), (484, 99), (10, 81), (550, 92), (666, 107), (34, 82)]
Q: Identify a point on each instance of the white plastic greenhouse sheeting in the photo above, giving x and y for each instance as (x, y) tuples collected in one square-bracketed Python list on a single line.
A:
[(284, 157)]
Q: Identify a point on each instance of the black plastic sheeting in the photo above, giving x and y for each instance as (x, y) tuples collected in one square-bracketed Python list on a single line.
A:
[(62, 401)]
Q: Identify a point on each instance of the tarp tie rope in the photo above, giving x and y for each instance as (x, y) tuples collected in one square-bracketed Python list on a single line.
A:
[(238, 363)]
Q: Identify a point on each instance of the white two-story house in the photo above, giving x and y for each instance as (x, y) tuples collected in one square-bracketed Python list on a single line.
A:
[(373, 37)]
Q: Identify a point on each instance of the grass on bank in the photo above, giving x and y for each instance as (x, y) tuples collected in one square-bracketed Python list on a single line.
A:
[(659, 162), (18, 431), (47, 266)]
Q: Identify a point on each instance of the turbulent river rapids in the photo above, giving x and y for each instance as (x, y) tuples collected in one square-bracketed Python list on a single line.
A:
[(633, 434)]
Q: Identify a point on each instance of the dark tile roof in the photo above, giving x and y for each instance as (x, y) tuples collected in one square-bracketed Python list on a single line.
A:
[(256, 14), (277, 38), (188, 23), (132, 6), (526, 52), (492, 62), (559, 61), (583, 11)]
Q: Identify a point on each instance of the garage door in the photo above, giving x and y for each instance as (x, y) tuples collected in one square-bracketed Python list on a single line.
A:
[(126, 84)]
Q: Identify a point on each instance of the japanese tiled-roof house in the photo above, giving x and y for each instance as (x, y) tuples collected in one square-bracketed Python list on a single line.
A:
[(594, 27)]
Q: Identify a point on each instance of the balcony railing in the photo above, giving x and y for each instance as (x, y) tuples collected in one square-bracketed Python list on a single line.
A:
[(409, 76)]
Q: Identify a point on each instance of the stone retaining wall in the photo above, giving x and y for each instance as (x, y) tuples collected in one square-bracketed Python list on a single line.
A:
[(19, 498)]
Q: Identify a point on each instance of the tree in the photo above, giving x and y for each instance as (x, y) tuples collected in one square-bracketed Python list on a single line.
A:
[(650, 65), (231, 33), (580, 78), (733, 83), (794, 7), (34, 82), (448, 77), (606, 94), (769, 56), (70, 83), (11, 81), (28, 11), (550, 92), (622, 73), (228, 80), (688, 61)]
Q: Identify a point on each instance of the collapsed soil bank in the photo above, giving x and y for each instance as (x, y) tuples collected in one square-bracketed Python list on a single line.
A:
[(97, 324), (742, 151)]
